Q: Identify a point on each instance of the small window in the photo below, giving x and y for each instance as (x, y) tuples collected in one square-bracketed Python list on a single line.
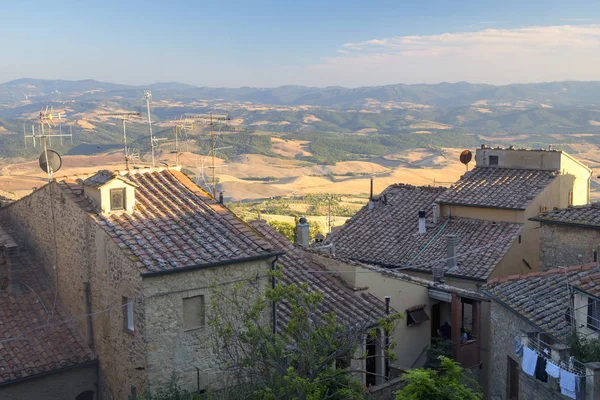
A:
[(127, 314), (117, 199), (593, 314), (193, 312), (493, 160), (415, 317)]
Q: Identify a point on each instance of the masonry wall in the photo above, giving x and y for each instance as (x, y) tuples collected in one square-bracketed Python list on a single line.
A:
[(563, 245), (61, 385), (74, 249), (505, 327), (174, 351)]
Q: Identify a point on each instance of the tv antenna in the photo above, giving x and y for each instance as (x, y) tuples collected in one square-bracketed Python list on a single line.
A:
[(210, 119), (148, 96), (125, 116), (50, 161)]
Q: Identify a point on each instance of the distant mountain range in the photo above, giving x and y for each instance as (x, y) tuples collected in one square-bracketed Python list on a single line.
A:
[(442, 95)]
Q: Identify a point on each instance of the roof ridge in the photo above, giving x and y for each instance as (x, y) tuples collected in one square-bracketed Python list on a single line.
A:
[(410, 186), (584, 267)]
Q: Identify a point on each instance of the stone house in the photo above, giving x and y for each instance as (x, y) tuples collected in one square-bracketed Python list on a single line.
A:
[(42, 355), (569, 236), (474, 231), (140, 253), (540, 309)]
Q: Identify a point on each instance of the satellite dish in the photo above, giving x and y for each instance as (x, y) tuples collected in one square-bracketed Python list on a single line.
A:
[(53, 159), (466, 156)]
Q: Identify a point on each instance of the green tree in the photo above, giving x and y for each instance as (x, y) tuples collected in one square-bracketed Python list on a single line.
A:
[(447, 382), (284, 228), (298, 361), (584, 349)]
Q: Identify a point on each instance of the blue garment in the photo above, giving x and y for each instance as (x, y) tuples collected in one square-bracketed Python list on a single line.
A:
[(568, 384), (529, 361)]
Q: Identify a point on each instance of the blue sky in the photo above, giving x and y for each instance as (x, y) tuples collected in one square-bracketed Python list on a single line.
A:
[(316, 43)]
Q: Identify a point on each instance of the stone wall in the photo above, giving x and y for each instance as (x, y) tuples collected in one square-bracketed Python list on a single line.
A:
[(185, 354), (67, 384), (563, 245), (505, 327), (74, 249)]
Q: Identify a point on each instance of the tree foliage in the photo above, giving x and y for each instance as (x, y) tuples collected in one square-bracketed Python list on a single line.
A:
[(583, 348), (447, 382), (298, 361), (285, 229)]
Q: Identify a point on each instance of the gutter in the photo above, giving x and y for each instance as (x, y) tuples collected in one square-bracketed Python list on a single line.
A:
[(51, 372), (509, 308), (552, 222), (213, 264)]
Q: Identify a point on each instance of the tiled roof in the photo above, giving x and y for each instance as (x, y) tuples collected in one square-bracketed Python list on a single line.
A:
[(174, 224), (586, 216), (387, 235), (589, 284), (350, 307), (498, 187), (30, 342), (541, 297), (102, 177)]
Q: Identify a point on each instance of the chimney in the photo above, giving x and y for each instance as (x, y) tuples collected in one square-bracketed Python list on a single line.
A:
[(422, 226), (438, 273), (220, 197), (302, 228), (597, 257), (13, 263), (452, 244), (434, 211), (371, 193)]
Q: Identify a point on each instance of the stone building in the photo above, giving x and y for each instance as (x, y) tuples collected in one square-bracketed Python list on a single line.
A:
[(540, 309), (474, 231), (569, 236), (141, 252), (42, 355)]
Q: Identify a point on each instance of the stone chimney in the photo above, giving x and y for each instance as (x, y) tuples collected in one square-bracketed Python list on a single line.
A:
[(451, 256), (302, 230), (434, 211), (13, 264), (438, 273), (422, 222)]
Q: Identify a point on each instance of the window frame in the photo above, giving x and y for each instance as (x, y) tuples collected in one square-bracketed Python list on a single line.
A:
[(123, 192), (495, 158), (128, 323), (202, 323), (593, 314)]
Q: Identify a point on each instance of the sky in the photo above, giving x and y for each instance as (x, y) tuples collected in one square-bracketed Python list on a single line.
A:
[(310, 42)]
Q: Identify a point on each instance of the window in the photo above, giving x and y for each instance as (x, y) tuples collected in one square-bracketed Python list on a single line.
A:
[(512, 384), (493, 160), (193, 312), (593, 314), (117, 199), (127, 314), (416, 316)]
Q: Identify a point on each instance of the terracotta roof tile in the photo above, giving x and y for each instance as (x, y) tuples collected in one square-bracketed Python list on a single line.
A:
[(27, 346), (175, 224), (387, 235), (498, 187), (542, 298), (350, 307), (586, 216)]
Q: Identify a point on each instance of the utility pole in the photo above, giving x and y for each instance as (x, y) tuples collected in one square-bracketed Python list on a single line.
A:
[(148, 95)]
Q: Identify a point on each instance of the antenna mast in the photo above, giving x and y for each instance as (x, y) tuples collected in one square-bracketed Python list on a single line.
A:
[(148, 95), (124, 116), (47, 117)]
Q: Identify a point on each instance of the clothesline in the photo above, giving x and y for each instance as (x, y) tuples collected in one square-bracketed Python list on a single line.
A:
[(575, 366)]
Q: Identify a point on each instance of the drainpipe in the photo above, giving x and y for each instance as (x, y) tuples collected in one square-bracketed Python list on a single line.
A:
[(387, 339), (274, 316)]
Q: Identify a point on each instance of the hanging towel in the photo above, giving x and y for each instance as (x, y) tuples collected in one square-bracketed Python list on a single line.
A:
[(540, 370), (580, 388), (568, 384), (552, 370), (518, 347), (529, 362)]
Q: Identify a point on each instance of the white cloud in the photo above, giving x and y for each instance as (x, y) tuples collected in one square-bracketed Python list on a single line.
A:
[(498, 56)]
